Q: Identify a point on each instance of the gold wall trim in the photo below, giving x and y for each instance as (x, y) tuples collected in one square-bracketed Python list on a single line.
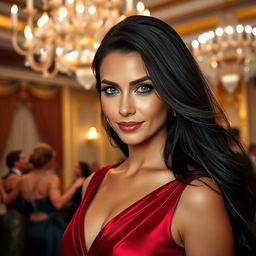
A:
[(44, 93), (66, 136), (211, 22), (8, 89), (5, 22)]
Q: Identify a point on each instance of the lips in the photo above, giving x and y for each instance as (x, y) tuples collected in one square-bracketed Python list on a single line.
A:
[(129, 126)]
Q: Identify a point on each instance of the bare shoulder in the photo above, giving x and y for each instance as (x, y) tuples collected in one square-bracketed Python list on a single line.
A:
[(202, 193), (203, 221), (86, 183)]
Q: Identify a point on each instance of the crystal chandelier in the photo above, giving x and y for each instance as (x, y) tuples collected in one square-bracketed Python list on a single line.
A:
[(227, 54), (66, 34)]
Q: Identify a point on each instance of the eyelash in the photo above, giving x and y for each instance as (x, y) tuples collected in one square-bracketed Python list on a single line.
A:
[(149, 88)]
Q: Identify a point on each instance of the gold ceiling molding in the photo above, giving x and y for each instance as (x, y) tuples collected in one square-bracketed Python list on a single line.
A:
[(167, 4), (5, 22), (211, 22), (45, 94), (7, 89), (202, 11)]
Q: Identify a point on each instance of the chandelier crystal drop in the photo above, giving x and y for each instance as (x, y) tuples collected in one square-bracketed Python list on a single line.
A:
[(227, 54), (65, 35)]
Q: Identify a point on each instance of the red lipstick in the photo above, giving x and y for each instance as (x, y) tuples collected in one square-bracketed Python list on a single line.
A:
[(129, 126)]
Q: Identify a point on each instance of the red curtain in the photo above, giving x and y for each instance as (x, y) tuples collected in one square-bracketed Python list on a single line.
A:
[(8, 105), (47, 114)]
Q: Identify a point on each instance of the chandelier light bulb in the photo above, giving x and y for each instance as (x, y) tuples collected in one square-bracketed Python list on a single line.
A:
[(229, 30), (28, 32), (219, 31), (80, 8), (96, 45), (211, 34), (43, 20), (92, 9), (146, 12), (70, 1), (140, 7), (62, 13), (239, 28), (248, 29), (59, 51), (254, 31), (14, 9), (195, 44)]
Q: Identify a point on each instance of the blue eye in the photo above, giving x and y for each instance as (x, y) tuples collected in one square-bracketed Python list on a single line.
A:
[(109, 90), (145, 88)]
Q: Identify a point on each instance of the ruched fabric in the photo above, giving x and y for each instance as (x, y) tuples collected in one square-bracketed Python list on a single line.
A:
[(142, 229)]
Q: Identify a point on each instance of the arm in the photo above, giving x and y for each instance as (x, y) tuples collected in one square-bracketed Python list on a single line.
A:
[(57, 199), (14, 185), (203, 222)]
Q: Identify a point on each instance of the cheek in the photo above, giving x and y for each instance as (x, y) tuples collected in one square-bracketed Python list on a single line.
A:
[(153, 108), (107, 108)]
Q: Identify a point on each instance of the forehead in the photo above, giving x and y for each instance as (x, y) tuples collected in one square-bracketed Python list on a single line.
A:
[(121, 65)]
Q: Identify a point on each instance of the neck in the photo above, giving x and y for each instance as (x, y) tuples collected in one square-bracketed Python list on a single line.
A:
[(147, 155)]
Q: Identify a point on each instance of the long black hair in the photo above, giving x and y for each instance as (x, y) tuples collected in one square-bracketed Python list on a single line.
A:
[(199, 134)]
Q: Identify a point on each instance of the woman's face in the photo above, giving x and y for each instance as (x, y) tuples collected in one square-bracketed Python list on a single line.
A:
[(128, 99), (77, 170)]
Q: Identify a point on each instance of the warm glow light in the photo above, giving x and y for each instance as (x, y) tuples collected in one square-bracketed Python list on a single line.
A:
[(92, 134), (92, 9), (28, 32), (219, 31), (43, 20), (248, 29), (14, 9), (80, 8), (59, 51), (195, 44), (239, 28), (146, 12), (62, 13), (140, 7), (229, 30)]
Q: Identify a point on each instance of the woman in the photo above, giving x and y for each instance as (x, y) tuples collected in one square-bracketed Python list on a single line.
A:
[(181, 190), (40, 191), (82, 169)]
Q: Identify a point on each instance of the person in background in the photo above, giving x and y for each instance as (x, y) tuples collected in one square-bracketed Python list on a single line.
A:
[(41, 196), (95, 166), (252, 155), (180, 191), (82, 169), (13, 223)]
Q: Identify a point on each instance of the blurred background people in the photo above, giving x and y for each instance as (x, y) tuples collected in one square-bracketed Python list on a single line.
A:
[(95, 166), (81, 169), (41, 196), (13, 222), (252, 155)]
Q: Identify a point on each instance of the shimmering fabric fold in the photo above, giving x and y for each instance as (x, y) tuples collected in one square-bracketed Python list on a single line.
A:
[(142, 229)]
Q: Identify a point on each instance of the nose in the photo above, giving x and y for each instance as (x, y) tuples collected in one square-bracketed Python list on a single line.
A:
[(126, 107)]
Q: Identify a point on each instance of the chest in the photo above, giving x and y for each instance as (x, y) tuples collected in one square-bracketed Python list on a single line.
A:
[(110, 202)]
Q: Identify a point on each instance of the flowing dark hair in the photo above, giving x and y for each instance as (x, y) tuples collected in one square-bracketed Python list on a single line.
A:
[(199, 134)]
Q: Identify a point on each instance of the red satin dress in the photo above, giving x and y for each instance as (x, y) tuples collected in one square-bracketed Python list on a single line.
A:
[(142, 229)]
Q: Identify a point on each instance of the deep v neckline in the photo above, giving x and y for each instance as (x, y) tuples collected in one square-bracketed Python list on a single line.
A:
[(88, 250)]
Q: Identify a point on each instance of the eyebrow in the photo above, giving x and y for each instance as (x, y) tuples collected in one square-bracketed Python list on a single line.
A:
[(134, 82)]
